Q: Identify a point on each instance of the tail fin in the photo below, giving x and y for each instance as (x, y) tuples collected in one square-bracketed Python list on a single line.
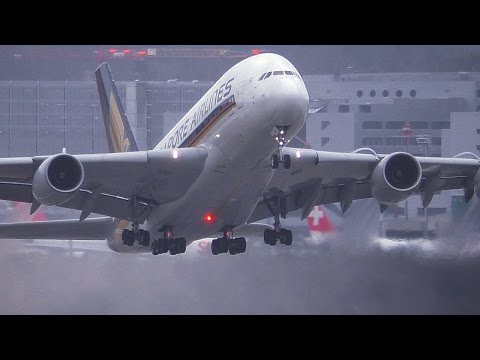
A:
[(318, 221), (119, 133)]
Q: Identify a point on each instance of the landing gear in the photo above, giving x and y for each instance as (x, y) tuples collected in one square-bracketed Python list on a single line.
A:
[(129, 237), (168, 243), (229, 244), (279, 134), (278, 207)]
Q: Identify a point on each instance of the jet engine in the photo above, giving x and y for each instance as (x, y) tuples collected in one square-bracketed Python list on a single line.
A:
[(57, 179), (395, 178)]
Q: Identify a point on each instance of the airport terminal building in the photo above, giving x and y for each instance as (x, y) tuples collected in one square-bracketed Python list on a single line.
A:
[(433, 114)]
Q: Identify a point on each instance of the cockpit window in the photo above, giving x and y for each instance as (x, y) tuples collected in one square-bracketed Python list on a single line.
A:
[(261, 77), (288, 72), (278, 73), (267, 75)]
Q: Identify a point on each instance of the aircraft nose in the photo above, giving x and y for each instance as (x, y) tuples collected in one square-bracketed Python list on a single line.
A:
[(290, 100)]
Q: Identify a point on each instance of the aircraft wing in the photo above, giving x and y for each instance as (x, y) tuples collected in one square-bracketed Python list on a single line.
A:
[(112, 180), (318, 177)]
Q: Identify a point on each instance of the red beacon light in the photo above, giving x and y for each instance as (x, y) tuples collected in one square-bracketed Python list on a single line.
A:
[(112, 51), (256, 51), (127, 51), (209, 218)]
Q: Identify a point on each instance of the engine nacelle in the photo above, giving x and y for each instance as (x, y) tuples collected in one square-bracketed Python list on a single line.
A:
[(57, 179), (395, 178)]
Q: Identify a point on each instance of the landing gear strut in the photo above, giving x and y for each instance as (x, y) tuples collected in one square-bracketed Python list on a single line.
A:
[(280, 134), (278, 207), (168, 243), (228, 243)]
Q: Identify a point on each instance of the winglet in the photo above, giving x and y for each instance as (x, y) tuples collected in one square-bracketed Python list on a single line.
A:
[(119, 133)]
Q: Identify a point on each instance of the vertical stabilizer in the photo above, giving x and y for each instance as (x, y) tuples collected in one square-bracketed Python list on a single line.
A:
[(117, 128)]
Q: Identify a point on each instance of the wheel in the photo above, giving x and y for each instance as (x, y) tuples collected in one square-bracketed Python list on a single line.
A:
[(215, 247), (125, 235), (287, 161), (266, 236), (163, 245), (242, 245), (281, 236), (287, 237), (129, 238), (144, 238), (224, 245), (181, 245), (275, 161), (269, 237), (155, 247)]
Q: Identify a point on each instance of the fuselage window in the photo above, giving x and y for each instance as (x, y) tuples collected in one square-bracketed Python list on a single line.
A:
[(278, 73), (288, 72), (261, 77), (267, 75)]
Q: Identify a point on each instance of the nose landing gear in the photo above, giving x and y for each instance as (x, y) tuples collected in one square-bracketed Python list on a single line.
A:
[(280, 134)]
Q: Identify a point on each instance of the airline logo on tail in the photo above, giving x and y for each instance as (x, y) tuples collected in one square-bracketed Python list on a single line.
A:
[(119, 133), (318, 223)]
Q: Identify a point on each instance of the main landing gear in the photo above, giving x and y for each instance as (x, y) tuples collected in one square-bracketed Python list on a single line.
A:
[(168, 243), (129, 237), (228, 243), (280, 134), (277, 206)]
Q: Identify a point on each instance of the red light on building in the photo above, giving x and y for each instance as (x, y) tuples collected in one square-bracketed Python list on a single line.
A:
[(256, 51), (112, 51), (127, 51), (209, 218), (142, 52)]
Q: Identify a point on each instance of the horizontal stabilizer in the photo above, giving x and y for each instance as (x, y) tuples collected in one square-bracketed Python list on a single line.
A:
[(89, 229)]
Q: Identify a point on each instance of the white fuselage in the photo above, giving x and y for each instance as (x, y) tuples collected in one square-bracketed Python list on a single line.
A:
[(234, 122)]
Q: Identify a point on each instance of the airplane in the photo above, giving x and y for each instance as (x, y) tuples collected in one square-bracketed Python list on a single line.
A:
[(223, 167)]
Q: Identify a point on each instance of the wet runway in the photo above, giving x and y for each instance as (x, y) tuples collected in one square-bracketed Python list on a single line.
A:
[(343, 276)]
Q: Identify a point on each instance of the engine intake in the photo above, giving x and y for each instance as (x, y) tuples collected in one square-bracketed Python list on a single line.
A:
[(57, 179), (395, 178)]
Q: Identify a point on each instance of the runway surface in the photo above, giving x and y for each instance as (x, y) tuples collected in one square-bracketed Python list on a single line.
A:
[(350, 275)]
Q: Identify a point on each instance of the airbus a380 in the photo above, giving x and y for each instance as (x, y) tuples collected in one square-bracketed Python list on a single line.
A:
[(222, 168)]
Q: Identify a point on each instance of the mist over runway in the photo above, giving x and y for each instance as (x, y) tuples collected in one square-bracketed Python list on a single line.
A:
[(352, 275)]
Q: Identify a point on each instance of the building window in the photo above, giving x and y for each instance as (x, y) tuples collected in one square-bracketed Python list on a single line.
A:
[(395, 140), (325, 124), (394, 124), (325, 140), (419, 125), (385, 93), (372, 140), (372, 124), (399, 93), (365, 108), (440, 125), (478, 131), (373, 93), (343, 108), (359, 93), (478, 147), (478, 93), (478, 108)]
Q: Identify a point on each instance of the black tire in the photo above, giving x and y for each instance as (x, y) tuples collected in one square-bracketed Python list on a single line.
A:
[(163, 245), (224, 245), (125, 234), (155, 247), (287, 161), (288, 238), (215, 247), (181, 245), (242, 245), (144, 238), (275, 161), (130, 238), (266, 236)]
